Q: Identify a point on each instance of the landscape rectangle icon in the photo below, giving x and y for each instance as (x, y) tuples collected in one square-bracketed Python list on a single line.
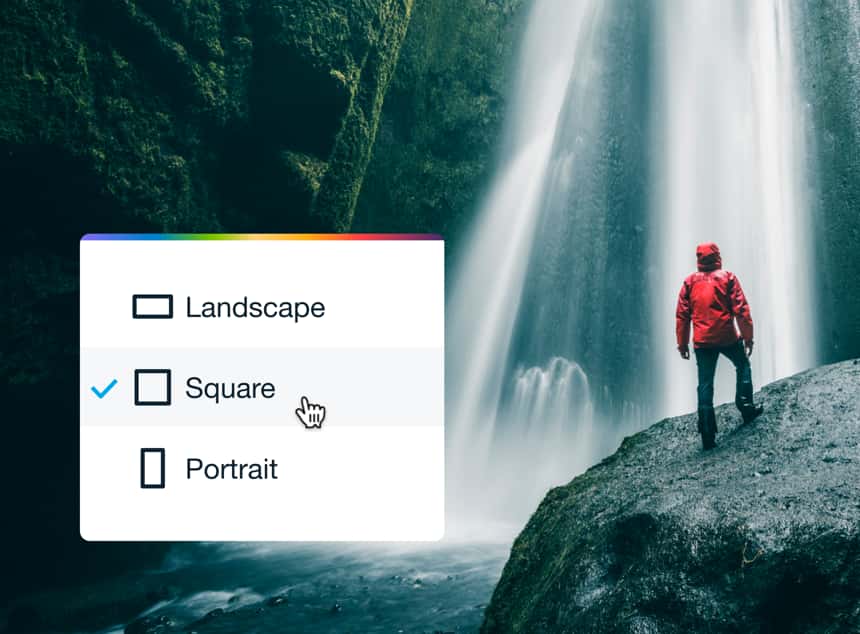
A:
[(152, 306), (152, 468)]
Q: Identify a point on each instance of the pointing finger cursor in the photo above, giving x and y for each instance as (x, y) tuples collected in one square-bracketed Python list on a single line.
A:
[(310, 414)]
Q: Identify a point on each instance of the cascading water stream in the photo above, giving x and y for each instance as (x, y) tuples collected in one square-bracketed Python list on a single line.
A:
[(636, 130), (491, 274)]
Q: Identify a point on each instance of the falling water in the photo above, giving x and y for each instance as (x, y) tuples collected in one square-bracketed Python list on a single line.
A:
[(732, 139), (556, 61), (636, 131)]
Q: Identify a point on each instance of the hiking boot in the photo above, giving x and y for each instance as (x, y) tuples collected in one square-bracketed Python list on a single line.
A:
[(708, 428), (751, 413)]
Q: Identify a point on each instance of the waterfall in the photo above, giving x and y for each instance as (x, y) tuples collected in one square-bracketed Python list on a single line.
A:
[(484, 302), (732, 137), (635, 131)]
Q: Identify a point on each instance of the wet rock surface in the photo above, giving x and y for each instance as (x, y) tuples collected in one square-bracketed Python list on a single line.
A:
[(760, 534)]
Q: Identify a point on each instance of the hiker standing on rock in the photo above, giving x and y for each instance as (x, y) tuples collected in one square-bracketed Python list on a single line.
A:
[(713, 299)]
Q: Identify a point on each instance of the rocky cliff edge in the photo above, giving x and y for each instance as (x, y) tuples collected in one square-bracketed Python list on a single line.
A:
[(761, 534)]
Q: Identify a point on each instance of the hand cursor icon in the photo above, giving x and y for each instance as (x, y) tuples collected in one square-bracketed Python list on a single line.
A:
[(310, 414)]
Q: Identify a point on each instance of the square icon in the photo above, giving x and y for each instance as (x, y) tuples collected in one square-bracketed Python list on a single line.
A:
[(152, 387), (152, 468), (152, 306)]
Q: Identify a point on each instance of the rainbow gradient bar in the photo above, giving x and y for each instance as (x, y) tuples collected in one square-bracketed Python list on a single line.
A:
[(261, 236)]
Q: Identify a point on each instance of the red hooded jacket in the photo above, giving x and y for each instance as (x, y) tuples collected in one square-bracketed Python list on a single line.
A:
[(713, 300)]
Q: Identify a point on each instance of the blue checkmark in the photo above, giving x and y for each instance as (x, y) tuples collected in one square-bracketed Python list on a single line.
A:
[(103, 393)]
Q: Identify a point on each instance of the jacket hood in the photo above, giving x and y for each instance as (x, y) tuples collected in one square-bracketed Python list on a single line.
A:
[(708, 257)]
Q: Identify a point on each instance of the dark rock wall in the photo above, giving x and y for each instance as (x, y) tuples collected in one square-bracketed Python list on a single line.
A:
[(443, 114), (196, 115), (155, 115), (829, 61)]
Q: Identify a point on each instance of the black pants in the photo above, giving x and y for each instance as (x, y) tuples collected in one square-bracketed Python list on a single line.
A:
[(706, 363)]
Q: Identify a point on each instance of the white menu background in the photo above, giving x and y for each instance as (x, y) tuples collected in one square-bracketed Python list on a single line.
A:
[(373, 471)]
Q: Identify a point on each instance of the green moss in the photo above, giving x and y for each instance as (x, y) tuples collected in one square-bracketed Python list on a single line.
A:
[(308, 168), (152, 116), (442, 117), (367, 78), (122, 85)]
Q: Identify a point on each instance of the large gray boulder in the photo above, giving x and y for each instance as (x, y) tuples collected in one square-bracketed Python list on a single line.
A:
[(761, 534)]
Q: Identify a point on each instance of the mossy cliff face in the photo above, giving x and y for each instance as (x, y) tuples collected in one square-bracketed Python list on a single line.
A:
[(181, 116), (157, 115), (442, 119), (202, 115), (351, 53)]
